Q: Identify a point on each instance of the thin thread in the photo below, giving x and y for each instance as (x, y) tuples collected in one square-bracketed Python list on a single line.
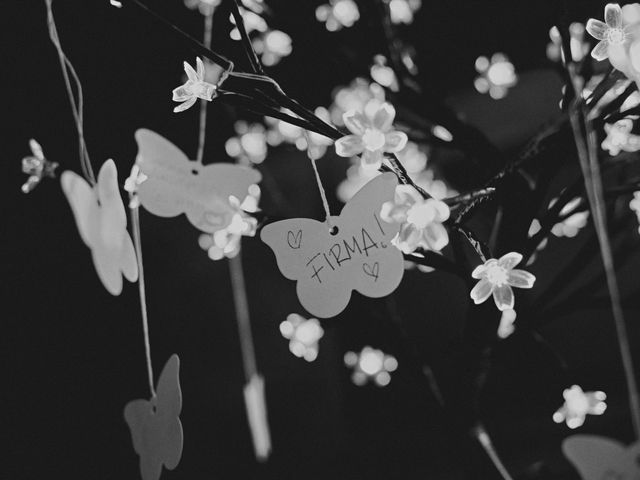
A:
[(135, 224), (323, 194), (208, 27), (76, 105), (587, 154), (242, 317), (485, 441)]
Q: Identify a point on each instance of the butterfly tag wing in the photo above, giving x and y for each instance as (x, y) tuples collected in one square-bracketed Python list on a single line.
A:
[(599, 458)]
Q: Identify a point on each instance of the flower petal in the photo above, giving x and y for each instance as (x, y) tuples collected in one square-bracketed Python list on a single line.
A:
[(510, 260), (383, 118), (180, 94), (600, 51), (355, 121), (185, 105), (631, 14), (613, 15), (436, 236), (503, 296), (596, 28), (191, 73), (617, 56), (408, 238), (481, 291), (479, 270), (634, 55), (395, 141), (371, 159), (520, 278), (200, 68), (349, 145)]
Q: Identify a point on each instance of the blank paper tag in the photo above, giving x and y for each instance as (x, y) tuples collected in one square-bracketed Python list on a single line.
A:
[(599, 458), (176, 185), (155, 425), (358, 257), (102, 223)]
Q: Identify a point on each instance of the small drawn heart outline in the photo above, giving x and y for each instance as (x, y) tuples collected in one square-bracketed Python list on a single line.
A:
[(294, 241), (372, 271)]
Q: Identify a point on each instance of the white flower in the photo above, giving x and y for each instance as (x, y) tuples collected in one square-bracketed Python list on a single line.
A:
[(496, 75), (573, 223), (619, 137), (194, 88), (303, 336), (206, 7), (131, 184), (401, 11), (611, 32), (421, 220), (578, 404), (250, 146), (371, 135), (371, 364), (272, 47), (337, 14), (497, 277)]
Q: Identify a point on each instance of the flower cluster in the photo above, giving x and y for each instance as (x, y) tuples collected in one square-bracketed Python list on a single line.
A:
[(303, 336), (371, 364), (578, 46), (619, 137), (497, 75), (371, 135), (578, 404), (250, 144), (338, 14), (497, 277), (420, 219), (36, 166)]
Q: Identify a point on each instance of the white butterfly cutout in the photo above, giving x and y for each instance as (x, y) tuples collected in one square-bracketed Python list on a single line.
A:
[(600, 458), (358, 257), (156, 430), (176, 185), (102, 223)]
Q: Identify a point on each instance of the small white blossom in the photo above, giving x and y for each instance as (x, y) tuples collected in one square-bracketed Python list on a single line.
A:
[(371, 135), (611, 32), (338, 14), (371, 364), (303, 336), (194, 88), (497, 277), (578, 404), (421, 220), (619, 137), (506, 327), (497, 75)]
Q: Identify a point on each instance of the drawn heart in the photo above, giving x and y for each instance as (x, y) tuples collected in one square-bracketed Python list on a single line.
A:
[(294, 241), (371, 271)]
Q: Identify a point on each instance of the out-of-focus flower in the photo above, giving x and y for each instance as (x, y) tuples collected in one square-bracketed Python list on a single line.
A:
[(338, 14), (358, 95), (36, 166), (579, 404), (282, 132), (421, 220), (253, 22), (506, 327), (303, 336), (383, 74), (371, 364), (573, 223), (206, 7), (579, 47), (533, 229), (619, 137), (371, 135), (634, 205), (497, 75), (194, 88), (497, 277), (401, 11), (250, 145), (272, 46), (226, 242)]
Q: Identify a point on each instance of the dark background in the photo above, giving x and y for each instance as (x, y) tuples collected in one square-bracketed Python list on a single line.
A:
[(73, 355)]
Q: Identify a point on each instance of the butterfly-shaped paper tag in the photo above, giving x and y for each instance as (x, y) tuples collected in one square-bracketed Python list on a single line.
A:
[(176, 185), (359, 256), (600, 458), (102, 223), (155, 425)]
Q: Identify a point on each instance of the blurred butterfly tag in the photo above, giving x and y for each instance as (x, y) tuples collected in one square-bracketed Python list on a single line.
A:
[(600, 458), (358, 256), (155, 425), (102, 223), (176, 185)]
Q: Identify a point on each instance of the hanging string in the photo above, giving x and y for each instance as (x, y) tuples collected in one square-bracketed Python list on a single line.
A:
[(323, 194), (135, 224), (208, 28), (76, 105), (587, 149)]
